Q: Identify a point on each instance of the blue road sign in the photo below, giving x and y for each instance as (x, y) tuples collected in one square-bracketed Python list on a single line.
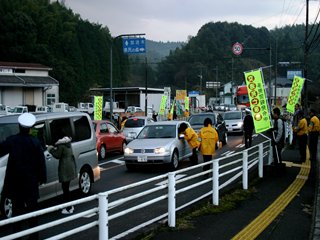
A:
[(134, 45)]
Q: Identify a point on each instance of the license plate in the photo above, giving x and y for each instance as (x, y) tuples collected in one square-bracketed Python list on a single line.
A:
[(229, 129), (142, 159)]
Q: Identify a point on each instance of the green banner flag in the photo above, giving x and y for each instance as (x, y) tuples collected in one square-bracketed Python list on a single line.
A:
[(172, 106), (258, 102), (186, 103), (295, 92), (97, 108), (163, 104)]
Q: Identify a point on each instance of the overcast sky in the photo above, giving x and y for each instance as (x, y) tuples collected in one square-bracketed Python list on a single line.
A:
[(175, 20)]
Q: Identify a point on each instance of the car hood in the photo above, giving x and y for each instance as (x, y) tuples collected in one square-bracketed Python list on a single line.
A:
[(233, 121), (150, 143)]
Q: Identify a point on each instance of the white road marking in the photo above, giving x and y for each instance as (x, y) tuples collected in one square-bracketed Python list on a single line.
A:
[(117, 161), (240, 145), (225, 153)]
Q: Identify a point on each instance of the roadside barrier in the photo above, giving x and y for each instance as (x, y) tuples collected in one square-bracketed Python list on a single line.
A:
[(170, 193)]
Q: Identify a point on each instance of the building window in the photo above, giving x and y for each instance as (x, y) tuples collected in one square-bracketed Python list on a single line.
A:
[(51, 98)]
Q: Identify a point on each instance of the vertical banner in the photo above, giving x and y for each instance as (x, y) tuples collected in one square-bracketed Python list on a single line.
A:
[(258, 103), (163, 104), (180, 95), (172, 106), (97, 108), (295, 92), (186, 103)]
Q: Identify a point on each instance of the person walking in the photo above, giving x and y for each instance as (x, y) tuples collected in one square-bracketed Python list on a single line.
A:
[(313, 130), (208, 138), (248, 127), (302, 137), (277, 137), (192, 138), (26, 170), (67, 167)]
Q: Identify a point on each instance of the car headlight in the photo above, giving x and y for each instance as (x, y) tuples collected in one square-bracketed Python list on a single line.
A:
[(159, 150), (240, 124), (128, 150), (132, 134)]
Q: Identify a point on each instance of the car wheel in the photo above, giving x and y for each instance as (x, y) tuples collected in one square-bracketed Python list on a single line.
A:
[(174, 161), (6, 207), (124, 145), (102, 153), (85, 181), (130, 167)]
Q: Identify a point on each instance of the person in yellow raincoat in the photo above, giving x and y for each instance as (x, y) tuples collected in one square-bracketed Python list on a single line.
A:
[(192, 138), (208, 138)]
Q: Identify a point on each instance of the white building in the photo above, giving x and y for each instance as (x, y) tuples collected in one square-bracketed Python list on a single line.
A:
[(27, 84)]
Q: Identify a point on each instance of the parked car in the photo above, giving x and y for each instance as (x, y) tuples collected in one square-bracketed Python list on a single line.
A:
[(109, 138), (234, 121), (157, 143), (134, 125), (196, 122), (48, 125)]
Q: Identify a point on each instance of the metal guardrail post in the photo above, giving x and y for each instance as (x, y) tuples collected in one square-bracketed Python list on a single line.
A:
[(245, 169), (215, 182), (103, 216), (260, 164), (270, 154), (171, 199)]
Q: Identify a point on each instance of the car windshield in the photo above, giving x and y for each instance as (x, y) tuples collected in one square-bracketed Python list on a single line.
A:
[(232, 115), (199, 119), (158, 131), (134, 123)]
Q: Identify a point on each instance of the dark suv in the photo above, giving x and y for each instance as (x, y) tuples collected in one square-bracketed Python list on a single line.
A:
[(196, 122)]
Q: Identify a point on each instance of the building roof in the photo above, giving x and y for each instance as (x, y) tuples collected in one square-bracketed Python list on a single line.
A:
[(128, 89), (17, 65), (27, 81)]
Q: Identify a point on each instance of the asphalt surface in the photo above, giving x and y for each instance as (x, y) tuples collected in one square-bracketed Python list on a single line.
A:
[(298, 219)]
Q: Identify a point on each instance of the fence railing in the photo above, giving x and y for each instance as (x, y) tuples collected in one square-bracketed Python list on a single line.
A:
[(165, 194)]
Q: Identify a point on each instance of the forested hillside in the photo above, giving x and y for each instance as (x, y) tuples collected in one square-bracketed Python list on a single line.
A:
[(79, 51)]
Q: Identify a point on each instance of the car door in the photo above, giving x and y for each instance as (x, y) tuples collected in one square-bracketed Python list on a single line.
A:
[(114, 136)]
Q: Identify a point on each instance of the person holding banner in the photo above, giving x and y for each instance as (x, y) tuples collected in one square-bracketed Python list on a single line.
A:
[(302, 137), (277, 137), (313, 128)]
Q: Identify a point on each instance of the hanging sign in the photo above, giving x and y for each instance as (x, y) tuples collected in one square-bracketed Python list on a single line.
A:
[(97, 108)]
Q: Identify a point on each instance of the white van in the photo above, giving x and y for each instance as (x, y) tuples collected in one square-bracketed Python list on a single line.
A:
[(75, 124)]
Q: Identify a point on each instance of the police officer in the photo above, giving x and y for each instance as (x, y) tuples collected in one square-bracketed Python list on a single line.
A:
[(248, 127), (25, 169)]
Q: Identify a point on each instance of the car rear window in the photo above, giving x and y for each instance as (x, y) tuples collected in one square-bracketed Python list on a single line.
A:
[(199, 120), (134, 122)]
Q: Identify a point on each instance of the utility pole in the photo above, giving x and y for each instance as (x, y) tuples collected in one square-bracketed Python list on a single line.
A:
[(305, 60)]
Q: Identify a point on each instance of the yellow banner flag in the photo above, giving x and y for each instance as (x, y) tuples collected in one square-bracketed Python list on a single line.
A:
[(97, 108), (181, 94), (172, 106), (295, 92), (186, 103), (163, 104), (258, 102)]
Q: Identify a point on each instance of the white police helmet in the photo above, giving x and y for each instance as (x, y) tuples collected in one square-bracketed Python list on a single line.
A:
[(27, 120)]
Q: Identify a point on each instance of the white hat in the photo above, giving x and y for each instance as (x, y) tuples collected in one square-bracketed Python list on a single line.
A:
[(27, 120)]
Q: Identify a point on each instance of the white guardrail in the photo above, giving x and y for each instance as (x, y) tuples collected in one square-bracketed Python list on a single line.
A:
[(164, 190)]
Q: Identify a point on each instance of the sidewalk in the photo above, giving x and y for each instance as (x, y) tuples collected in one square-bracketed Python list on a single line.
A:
[(296, 221)]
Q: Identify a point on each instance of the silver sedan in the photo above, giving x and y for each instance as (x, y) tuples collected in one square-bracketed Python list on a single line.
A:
[(157, 143)]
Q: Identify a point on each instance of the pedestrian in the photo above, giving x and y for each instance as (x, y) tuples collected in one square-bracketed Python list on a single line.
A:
[(154, 116), (277, 137), (26, 170), (62, 150), (302, 130), (295, 122), (313, 130), (192, 138), (248, 127), (208, 138), (123, 122), (186, 113)]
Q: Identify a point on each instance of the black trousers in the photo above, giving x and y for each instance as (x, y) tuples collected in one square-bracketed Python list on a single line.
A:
[(194, 157), (247, 139), (313, 145), (302, 143), (206, 158), (66, 192)]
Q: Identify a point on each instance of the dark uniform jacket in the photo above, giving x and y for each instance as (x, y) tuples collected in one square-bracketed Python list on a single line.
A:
[(26, 167)]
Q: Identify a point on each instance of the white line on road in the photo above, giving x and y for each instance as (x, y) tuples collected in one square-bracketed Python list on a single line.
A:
[(117, 161)]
